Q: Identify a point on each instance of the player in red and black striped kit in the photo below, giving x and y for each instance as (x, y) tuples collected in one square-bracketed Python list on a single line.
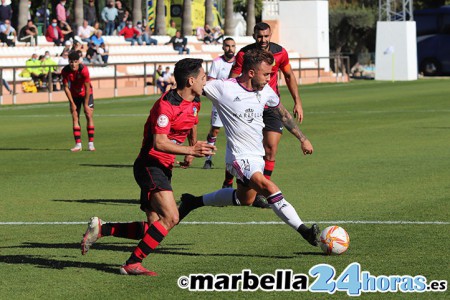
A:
[(273, 124), (172, 119), (78, 89)]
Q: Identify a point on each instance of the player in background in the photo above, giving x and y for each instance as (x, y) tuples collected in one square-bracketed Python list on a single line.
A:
[(273, 124), (172, 119), (240, 103), (78, 89)]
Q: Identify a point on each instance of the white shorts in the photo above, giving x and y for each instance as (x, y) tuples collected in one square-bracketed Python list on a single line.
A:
[(243, 169), (215, 119)]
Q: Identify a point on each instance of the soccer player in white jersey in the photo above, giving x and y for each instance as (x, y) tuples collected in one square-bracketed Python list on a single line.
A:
[(220, 69), (240, 103)]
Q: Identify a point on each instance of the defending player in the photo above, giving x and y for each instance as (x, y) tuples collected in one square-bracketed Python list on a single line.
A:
[(273, 124), (172, 119), (240, 103), (78, 89)]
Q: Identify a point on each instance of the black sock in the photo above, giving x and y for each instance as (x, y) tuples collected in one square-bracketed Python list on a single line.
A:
[(303, 230)]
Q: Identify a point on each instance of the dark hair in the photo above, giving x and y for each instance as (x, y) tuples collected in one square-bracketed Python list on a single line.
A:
[(228, 39), (254, 57), (185, 68), (74, 55), (260, 26)]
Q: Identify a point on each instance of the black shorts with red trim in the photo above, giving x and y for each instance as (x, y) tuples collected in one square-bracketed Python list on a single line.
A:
[(79, 101), (151, 178), (272, 120)]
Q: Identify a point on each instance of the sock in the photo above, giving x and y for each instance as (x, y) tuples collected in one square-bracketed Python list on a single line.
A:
[(211, 141), (77, 134), (222, 197), (268, 168), (304, 231), (91, 131), (284, 210), (152, 238), (133, 230), (228, 178)]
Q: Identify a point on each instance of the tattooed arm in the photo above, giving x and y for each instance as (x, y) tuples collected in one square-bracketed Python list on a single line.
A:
[(290, 124)]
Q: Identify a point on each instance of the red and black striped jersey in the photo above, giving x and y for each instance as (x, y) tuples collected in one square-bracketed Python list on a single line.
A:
[(76, 80)]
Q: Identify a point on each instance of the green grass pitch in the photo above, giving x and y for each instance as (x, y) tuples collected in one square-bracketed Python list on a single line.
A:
[(381, 170)]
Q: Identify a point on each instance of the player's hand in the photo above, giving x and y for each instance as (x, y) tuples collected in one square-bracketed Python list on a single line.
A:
[(307, 147), (202, 149), (298, 113), (187, 162)]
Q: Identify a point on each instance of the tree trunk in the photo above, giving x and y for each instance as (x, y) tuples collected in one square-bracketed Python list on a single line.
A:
[(23, 15), (250, 16), (209, 18), (137, 11), (186, 27), (160, 23), (229, 30), (78, 14)]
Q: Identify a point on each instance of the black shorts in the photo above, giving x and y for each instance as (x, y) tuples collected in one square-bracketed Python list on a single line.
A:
[(79, 101), (272, 120), (151, 179)]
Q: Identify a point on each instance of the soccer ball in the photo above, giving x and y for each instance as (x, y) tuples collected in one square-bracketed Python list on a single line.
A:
[(334, 240)]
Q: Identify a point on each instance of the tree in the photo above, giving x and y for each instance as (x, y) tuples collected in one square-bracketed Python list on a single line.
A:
[(228, 17), (79, 12), (160, 23), (186, 27), (250, 16), (209, 18), (137, 11)]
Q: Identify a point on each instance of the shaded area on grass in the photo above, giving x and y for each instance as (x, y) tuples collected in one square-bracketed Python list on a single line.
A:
[(101, 201)]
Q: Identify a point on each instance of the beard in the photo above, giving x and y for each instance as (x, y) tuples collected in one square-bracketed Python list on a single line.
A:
[(229, 55), (257, 86)]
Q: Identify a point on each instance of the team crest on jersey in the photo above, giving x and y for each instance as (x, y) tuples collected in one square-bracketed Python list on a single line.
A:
[(237, 99), (162, 121), (195, 111)]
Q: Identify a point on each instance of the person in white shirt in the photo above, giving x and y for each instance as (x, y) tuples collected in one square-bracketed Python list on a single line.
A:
[(240, 103), (85, 31)]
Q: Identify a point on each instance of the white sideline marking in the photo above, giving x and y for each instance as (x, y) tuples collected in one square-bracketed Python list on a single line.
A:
[(254, 223)]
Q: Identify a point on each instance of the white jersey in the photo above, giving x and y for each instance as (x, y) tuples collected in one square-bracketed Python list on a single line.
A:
[(241, 112), (220, 68)]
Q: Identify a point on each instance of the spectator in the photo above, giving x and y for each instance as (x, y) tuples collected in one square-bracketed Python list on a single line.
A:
[(43, 15), (166, 81), (90, 13), (122, 16), (218, 35), (208, 37), (147, 36), (109, 15), (67, 46), (179, 43), (172, 30), (85, 31), (5, 12), (6, 85), (8, 34), (92, 56), (131, 34), (156, 77), (96, 28), (35, 68), (97, 39), (61, 13), (49, 67), (28, 34), (54, 34), (200, 33), (104, 52), (67, 31), (62, 62), (77, 46)]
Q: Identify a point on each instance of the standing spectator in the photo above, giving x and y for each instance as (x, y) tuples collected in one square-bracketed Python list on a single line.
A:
[(109, 15), (6, 85), (54, 34), (122, 16), (85, 31), (67, 31), (179, 43), (43, 15), (97, 38), (61, 13), (5, 12), (90, 13), (78, 89), (8, 34), (172, 30), (103, 51), (28, 34), (131, 34), (156, 78), (147, 36)]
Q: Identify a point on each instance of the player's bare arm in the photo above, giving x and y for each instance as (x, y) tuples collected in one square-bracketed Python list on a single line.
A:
[(200, 149), (290, 124), (291, 83), (192, 139)]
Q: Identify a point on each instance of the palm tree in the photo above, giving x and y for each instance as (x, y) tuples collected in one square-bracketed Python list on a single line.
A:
[(137, 11), (250, 16), (209, 18), (78, 11), (229, 17), (23, 14), (187, 18), (160, 23)]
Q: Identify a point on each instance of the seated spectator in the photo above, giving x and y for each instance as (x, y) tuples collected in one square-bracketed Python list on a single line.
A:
[(158, 74), (92, 56), (97, 39), (218, 35), (67, 31), (54, 34), (179, 43), (67, 47), (34, 67), (147, 36), (85, 32), (8, 34), (49, 68), (172, 30), (62, 62), (131, 34), (200, 33), (166, 81), (29, 34), (103, 51), (209, 36), (77, 46)]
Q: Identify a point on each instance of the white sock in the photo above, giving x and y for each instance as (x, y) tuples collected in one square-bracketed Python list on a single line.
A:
[(285, 211), (222, 197), (91, 144), (78, 145)]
